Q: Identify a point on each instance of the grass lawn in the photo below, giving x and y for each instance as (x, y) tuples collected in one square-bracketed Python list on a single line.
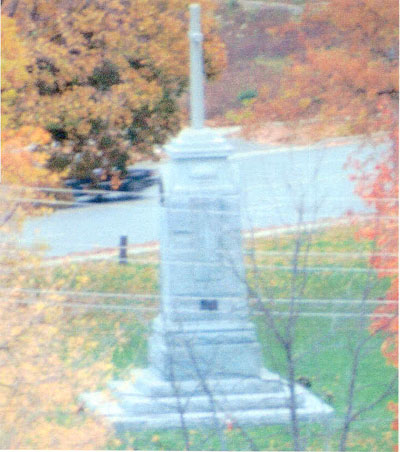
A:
[(324, 343)]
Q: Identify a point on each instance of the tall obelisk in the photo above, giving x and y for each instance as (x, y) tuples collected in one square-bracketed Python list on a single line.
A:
[(204, 358), (203, 327)]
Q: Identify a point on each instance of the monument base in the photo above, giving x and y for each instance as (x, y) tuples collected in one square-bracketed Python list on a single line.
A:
[(150, 402), (204, 349)]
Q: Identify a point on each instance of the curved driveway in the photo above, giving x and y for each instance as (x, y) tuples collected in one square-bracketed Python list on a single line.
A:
[(277, 185)]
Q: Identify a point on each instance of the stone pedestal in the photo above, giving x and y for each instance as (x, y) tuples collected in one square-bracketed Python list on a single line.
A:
[(152, 403), (204, 358), (203, 329)]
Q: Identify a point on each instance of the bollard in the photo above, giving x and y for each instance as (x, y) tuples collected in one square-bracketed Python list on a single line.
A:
[(123, 249)]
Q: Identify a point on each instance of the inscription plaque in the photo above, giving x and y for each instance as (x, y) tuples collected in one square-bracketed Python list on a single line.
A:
[(208, 305)]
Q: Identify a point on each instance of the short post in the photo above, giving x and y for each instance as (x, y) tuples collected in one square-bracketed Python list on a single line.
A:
[(123, 249)]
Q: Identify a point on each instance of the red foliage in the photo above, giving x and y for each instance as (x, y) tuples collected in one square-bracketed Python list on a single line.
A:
[(380, 189), (345, 72)]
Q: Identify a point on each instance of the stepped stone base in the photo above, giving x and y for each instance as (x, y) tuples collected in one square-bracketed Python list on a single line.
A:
[(149, 402), (217, 349)]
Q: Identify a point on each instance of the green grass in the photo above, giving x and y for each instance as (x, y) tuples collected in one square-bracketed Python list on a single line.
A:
[(323, 344)]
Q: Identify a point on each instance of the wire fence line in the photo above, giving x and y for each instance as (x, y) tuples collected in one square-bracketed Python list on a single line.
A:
[(80, 293), (141, 309), (286, 268), (343, 254), (147, 296), (157, 297), (245, 236), (313, 196), (223, 212), (134, 250), (75, 203), (107, 192), (246, 251), (8, 269), (325, 269), (149, 206), (71, 191), (323, 301), (95, 306), (50, 202)]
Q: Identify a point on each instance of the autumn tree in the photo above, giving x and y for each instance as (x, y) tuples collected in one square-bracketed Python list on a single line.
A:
[(380, 189), (38, 385), (344, 79), (346, 74), (38, 381), (23, 156), (344, 69), (107, 75), (89, 82)]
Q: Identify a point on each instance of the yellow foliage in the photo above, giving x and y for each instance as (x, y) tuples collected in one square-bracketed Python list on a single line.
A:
[(23, 161), (305, 102), (88, 69), (39, 381), (14, 59), (97, 68), (38, 385)]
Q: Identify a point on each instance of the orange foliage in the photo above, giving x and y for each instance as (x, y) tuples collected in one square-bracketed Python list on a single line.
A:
[(21, 164), (39, 383), (381, 188), (346, 73), (23, 156), (107, 75), (346, 65)]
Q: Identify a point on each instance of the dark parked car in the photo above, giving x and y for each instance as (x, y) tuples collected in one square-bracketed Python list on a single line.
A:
[(135, 181)]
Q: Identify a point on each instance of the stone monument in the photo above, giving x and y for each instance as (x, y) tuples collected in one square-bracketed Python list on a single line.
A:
[(204, 358)]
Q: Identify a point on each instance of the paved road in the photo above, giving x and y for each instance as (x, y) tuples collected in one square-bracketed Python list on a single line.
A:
[(275, 183)]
